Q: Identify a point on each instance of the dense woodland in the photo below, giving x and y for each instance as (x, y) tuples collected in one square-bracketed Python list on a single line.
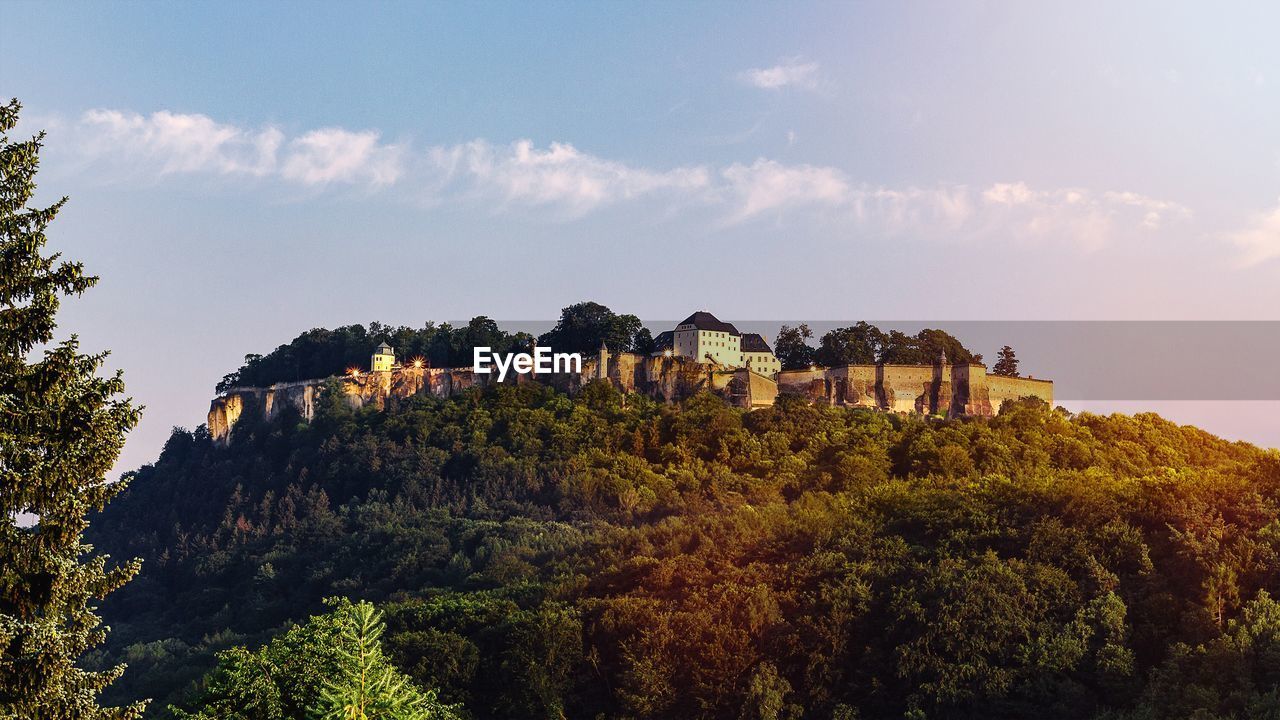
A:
[(537, 556)]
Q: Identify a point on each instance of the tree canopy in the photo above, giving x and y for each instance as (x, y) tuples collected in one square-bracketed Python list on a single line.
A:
[(865, 344), (321, 353), (1006, 363), (332, 667), (537, 555), (584, 326), (62, 426)]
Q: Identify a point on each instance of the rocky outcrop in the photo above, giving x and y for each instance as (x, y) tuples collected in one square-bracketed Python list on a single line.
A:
[(224, 412), (370, 389), (950, 390)]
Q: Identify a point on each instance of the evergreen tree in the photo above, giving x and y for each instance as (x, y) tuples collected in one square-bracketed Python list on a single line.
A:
[(1007, 363), (61, 429), (330, 667), (367, 686)]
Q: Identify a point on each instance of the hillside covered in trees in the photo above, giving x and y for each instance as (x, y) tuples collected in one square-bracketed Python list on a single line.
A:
[(605, 556)]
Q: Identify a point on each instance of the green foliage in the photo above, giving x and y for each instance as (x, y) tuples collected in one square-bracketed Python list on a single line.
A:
[(792, 347), (1007, 363), (61, 429), (859, 344), (330, 668), (321, 353), (584, 326), (538, 556), (865, 344)]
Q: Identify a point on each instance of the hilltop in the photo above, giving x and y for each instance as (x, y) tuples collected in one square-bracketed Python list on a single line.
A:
[(541, 555)]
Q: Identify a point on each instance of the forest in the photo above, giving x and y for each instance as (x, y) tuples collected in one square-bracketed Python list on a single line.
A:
[(522, 554)]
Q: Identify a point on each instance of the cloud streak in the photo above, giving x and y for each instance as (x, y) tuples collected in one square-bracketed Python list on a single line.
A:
[(790, 73), (1259, 241), (571, 183), (560, 175), (173, 143)]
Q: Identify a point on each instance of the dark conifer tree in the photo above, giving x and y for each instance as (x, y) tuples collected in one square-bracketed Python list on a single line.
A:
[(1007, 363), (61, 429)]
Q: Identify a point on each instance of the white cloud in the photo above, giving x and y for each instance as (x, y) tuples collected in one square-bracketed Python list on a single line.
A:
[(769, 185), (1259, 242), (336, 155), (1089, 220), (793, 72), (560, 175), (570, 182), (1009, 194), (180, 143), (171, 143)]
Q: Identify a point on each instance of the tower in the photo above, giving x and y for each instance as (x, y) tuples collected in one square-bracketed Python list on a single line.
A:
[(602, 368), (384, 358)]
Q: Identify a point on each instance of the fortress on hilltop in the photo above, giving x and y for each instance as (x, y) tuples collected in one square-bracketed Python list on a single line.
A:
[(700, 354)]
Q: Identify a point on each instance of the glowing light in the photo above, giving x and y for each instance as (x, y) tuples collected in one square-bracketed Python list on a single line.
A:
[(417, 363), (353, 372), (667, 353)]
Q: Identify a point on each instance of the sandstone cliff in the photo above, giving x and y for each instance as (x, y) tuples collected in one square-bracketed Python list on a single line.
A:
[(949, 390)]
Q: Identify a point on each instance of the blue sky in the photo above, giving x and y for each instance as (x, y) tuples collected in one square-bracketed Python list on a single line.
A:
[(242, 172)]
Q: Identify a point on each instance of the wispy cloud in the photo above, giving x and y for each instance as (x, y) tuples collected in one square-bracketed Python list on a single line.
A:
[(178, 143), (336, 155), (570, 183), (1089, 219), (560, 175), (768, 185), (1259, 241), (171, 143), (794, 72)]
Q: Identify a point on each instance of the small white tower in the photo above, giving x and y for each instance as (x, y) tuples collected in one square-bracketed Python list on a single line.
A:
[(384, 358), (602, 365)]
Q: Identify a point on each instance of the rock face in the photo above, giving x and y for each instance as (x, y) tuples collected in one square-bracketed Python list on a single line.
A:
[(950, 390), (223, 414)]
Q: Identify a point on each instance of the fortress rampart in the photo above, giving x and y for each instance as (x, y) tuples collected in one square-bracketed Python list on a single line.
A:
[(948, 390)]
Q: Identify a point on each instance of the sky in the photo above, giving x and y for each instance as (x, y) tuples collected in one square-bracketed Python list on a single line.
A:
[(240, 172)]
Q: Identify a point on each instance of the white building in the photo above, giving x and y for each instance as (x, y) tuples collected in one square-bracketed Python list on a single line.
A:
[(704, 337), (758, 356)]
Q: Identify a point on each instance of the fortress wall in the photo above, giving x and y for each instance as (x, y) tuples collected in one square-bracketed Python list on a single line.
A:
[(813, 384), (969, 393), (761, 390), (671, 379), (905, 388), (853, 385), (1003, 388), (956, 391)]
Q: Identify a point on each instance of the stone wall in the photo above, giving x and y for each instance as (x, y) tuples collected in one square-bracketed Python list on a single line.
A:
[(749, 390), (950, 390), (668, 379), (1002, 388)]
